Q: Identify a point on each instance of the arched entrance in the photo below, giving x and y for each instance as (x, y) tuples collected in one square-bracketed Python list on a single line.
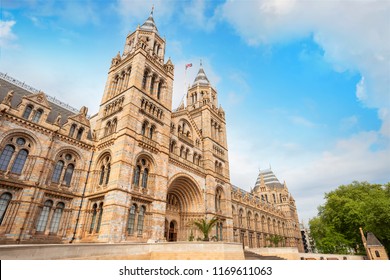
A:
[(184, 204)]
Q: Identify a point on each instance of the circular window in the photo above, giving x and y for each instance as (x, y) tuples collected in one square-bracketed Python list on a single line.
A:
[(20, 141), (68, 157)]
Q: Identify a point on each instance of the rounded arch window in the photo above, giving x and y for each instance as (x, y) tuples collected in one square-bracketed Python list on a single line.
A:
[(64, 169), (141, 173), (14, 155)]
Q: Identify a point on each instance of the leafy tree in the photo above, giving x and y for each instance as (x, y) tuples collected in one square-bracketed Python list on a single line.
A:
[(205, 226), (360, 204), (275, 239)]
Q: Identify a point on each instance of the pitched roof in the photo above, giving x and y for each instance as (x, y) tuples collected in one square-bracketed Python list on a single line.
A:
[(372, 240), (201, 77), (270, 179), (149, 24), (21, 90)]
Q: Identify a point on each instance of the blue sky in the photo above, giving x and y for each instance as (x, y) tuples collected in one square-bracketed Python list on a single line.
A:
[(305, 84)]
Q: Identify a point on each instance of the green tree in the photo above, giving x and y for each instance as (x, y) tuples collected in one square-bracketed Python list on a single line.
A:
[(205, 226), (275, 240), (360, 204)]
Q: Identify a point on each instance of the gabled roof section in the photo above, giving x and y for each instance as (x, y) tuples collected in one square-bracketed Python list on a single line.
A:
[(201, 78), (149, 24), (39, 98)]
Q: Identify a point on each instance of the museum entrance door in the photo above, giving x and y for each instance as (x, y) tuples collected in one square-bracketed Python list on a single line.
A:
[(184, 203)]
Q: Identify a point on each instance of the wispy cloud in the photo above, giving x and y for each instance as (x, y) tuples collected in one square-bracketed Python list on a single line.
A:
[(7, 36)]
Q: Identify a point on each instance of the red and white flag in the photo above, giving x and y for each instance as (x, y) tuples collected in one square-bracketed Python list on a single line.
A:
[(188, 65)]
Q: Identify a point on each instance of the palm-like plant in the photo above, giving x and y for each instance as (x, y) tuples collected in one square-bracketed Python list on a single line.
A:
[(205, 226)]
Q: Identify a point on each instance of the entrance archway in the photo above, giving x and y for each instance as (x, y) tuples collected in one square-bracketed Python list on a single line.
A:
[(184, 204)]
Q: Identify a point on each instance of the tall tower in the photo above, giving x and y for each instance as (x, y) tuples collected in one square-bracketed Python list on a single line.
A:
[(209, 117), (132, 130)]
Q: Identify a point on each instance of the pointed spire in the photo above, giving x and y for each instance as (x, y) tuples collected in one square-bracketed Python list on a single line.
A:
[(201, 77), (149, 24)]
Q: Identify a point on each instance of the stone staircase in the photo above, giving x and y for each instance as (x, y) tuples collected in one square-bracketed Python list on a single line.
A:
[(253, 256)]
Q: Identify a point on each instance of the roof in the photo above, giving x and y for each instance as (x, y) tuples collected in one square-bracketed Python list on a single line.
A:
[(270, 179), (201, 77), (149, 24), (20, 89), (372, 240)]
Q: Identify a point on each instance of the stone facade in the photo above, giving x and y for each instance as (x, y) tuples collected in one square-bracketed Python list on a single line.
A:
[(136, 171)]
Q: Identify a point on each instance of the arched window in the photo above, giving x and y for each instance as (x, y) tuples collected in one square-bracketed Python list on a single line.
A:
[(249, 218), (5, 156), (131, 220), (137, 172), (93, 221), (152, 84), (113, 126), (159, 90), (107, 128), (43, 217), (140, 223), (144, 79), (240, 217), (27, 112), (151, 131), (55, 221), (57, 171), (377, 254), (68, 174), (280, 198), (37, 115), (218, 196), (172, 147), (100, 217), (145, 178), (143, 129), (105, 170), (5, 198), (72, 130), (101, 175), (274, 197), (79, 133), (19, 162)]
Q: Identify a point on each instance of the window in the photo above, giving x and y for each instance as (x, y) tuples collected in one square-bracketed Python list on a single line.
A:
[(240, 217), (140, 224), (93, 221), (55, 221), (377, 254), (144, 128), (19, 162), (43, 217), (16, 152), (5, 198), (37, 115), (142, 168), (144, 79), (27, 112), (100, 217), (151, 131), (152, 84), (72, 130), (249, 218), (65, 159), (5, 157), (79, 133), (218, 196), (137, 172), (131, 220), (68, 174), (57, 171), (159, 90), (145, 178), (105, 170)]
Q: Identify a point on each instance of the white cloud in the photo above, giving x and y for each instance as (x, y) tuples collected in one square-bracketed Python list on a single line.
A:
[(7, 37), (353, 34)]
